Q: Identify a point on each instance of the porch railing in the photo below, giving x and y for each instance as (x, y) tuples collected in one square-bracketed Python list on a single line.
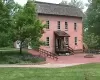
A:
[(48, 54), (70, 49)]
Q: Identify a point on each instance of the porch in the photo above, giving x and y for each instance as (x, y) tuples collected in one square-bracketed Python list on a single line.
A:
[(62, 42), (73, 59)]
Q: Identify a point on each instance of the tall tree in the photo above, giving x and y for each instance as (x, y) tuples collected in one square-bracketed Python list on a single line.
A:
[(5, 24), (91, 40), (75, 3), (92, 22), (27, 25), (63, 2), (4, 17), (93, 17)]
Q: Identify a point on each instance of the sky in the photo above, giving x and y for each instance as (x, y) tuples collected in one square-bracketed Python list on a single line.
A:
[(22, 2)]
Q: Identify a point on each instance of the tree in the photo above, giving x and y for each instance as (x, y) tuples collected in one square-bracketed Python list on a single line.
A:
[(5, 24), (93, 17), (75, 3), (63, 2), (92, 22), (91, 40), (27, 26), (4, 17), (7, 10)]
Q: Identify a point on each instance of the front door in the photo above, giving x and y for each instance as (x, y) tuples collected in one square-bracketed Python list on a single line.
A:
[(59, 43)]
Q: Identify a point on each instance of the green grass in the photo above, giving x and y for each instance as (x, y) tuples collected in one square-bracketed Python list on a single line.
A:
[(14, 57), (7, 48), (89, 71)]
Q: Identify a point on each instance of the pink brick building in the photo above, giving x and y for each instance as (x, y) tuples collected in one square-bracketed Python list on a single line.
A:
[(64, 27)]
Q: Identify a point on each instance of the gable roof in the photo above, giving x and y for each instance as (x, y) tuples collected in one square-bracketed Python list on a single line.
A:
[(58, 9)]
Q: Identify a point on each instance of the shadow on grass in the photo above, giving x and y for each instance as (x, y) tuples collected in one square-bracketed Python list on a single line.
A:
[(14, 57)]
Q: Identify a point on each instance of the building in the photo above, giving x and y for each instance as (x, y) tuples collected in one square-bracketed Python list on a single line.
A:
[(64, 27)]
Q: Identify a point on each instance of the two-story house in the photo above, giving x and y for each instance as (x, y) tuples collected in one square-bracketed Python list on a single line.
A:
[(64, 27)]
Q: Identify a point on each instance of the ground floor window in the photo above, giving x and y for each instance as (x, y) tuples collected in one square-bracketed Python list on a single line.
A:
[(66, 40), (47, 41), (75, 40)]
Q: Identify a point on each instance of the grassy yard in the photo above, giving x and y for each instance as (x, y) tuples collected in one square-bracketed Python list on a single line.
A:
[(82, 72), (6, 48), (13, 56)]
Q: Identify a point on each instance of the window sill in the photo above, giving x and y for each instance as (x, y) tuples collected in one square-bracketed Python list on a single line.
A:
[(66, 29)]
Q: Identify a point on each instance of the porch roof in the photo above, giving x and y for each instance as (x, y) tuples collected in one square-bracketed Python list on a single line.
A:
[(61, 33)]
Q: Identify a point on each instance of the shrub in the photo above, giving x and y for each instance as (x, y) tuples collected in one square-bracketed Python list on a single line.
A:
[(14, 57)]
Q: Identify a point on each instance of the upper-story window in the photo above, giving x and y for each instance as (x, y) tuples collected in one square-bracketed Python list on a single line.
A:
[(75, 26), (66, 25), (75, 40), (47, 41), (58, 24), (47, 22)]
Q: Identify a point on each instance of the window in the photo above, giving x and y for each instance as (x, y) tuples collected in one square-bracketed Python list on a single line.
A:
[(75, 40), (47, 41), (47, 22), (66, 40), (66, 25), (75, 26), (58, 24)]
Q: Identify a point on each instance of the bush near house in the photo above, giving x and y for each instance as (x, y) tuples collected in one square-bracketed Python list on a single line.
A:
[(14, 57)]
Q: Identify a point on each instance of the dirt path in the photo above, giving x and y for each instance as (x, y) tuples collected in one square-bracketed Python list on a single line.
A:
[(41, 66)]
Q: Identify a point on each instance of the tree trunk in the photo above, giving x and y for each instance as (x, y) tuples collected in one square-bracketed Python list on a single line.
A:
[(21, 47)]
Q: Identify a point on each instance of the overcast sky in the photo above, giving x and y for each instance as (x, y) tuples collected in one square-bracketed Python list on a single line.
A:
[(22, 2)]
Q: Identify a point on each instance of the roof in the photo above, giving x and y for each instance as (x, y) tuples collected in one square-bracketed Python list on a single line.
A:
[(58, 9), (61, 33)]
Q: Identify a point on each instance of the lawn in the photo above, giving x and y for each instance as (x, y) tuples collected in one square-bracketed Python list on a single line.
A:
[(82, 72), (13, 56), (7, 48)]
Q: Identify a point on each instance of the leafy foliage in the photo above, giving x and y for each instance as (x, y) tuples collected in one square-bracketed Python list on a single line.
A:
[(4, 17), (5, 40), (19, 23), (76, 3), (27, 25), (64, 2), (93, 17), (5, 23), (91, 40), (36, 44), (14, 57), (92, 20)]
